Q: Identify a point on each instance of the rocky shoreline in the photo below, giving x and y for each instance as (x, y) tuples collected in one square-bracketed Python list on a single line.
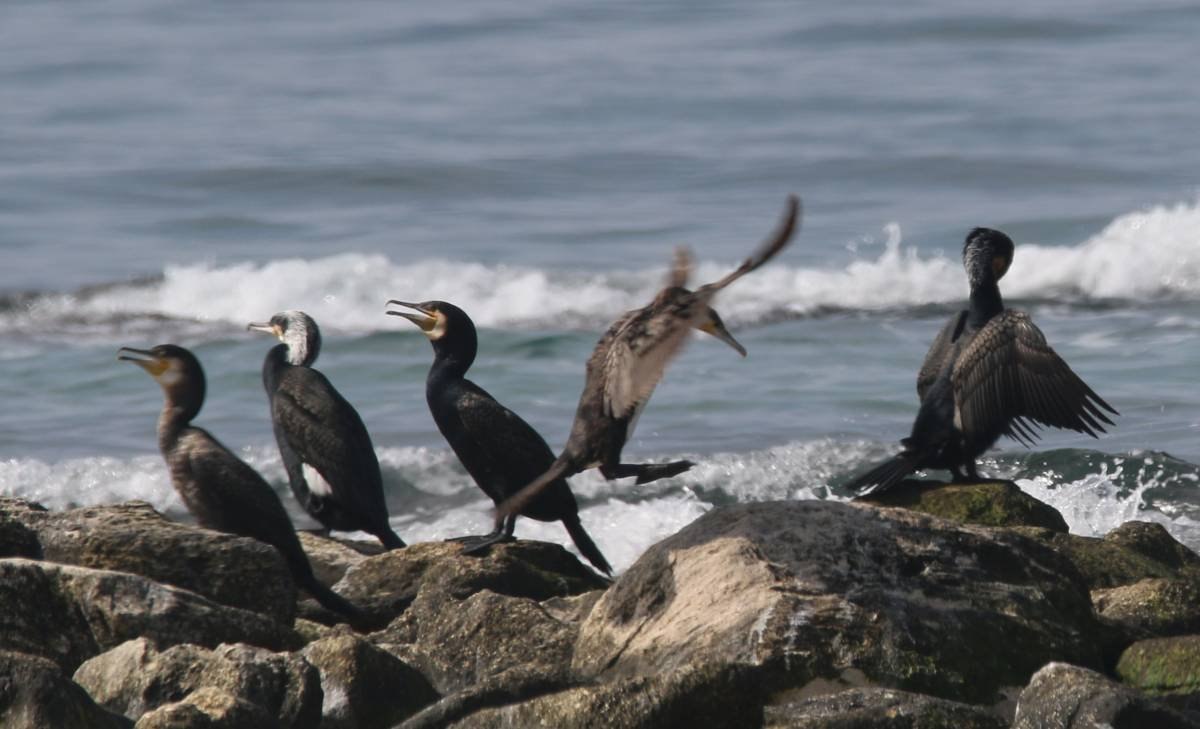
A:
[(945, 606)]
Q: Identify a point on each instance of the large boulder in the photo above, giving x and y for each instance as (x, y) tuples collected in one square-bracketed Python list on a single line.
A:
[(133, 537), (816, 591), (365, 686), (1062, 696), (385, 585), (1132, 552), (331, 557), (69, 614), (989, 503), (877, 708), (135, 678), (208, 708), (34, 694), (1152, 607), (1167, 668)]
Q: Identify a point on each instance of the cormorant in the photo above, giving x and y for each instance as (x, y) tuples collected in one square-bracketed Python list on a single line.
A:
[(326, 450), (630, 359), (988, 373), (500, 450), (219, 489)]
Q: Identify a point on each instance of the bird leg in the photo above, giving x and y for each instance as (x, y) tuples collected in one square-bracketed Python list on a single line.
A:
[(645, 472), (502, 534)]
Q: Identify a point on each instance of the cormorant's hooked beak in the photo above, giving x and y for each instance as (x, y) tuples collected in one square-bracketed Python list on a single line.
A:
[(717, 329), (426, 319), (145, 359), (269, 328)]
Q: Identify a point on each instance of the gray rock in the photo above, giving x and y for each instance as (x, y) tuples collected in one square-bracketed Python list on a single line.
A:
[(208, 708), (724, 697), (989, 503), (811, 591), (18, 540), (387, 584), (133, 537), (331, 557), (365, 686), (135, 678), (876, 708), (34, 694), (465, 642), (1153, 607), (1061, 696), (69, 614), (1166, 668)]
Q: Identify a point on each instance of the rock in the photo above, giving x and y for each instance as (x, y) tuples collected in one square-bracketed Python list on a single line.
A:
[(135, 678), (1152, 607), (34, 694), (69, 614), (1130, 553), (1061, 696), (468, 641), (208, 708), (876, 708), (365, 686), (331, 557), (811, 591), (133, 537), (385, 585), (1168, 668), (990, 503), (18, 540), (711, 697)]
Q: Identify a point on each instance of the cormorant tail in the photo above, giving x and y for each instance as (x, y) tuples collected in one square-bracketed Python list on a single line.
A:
[(885, 475), (561, 467), (330, 600), (389, 538), (583, 541)]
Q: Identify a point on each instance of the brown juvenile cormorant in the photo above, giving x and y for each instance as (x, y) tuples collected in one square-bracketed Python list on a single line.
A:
[(326, 450), (218, 488), (988, 373), (630, 359), (500, 450)]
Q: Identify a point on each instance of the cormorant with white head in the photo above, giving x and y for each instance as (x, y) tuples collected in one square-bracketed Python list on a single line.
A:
[(218, 488), (988, 373), (500, 450), (326, 450), (631, 358)]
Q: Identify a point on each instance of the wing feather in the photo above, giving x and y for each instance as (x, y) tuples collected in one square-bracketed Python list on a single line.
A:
[(1008, 380)]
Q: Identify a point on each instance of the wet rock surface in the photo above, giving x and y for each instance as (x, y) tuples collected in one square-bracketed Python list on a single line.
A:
[(1069, 697)]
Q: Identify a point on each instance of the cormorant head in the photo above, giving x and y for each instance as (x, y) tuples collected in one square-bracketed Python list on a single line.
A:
[(298, 331), (448, 327), (987, 254), (710, 323), (175, 369)]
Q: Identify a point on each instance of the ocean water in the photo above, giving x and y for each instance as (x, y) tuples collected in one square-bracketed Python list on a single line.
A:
[(172, 171)]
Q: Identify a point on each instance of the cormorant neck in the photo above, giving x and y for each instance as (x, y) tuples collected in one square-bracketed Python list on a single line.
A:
[(171, 422), (985, 302), (274, 363), (451, 364)]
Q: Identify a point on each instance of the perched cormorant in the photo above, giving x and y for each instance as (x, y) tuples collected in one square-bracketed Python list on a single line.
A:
[(330, 462), (630, 359), (988, 373), (500, 450), (220, 489)]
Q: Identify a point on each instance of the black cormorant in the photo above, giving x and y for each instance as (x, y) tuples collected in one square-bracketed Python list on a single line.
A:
[(218, 488), (630, 359), (326, 450), (500, 450), (988, 373)]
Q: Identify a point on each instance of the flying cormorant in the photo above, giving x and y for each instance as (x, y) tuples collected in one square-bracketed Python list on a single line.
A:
[(988, 373), (218, 488), (500, 450), (630, 359), (330, 462)]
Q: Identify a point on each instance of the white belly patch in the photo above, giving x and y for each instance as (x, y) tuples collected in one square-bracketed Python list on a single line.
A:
[(317, 485)]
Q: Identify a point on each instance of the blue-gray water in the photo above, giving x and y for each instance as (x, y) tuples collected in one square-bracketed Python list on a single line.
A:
[(172, 171)]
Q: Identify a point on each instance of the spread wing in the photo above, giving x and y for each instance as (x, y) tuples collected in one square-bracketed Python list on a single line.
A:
[(939, 352), (325, 431), (1009, 376), (634, 355), (774, 243)]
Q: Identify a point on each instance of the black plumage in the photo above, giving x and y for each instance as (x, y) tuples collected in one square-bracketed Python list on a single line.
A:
[(630, 359), (327, 453), (218, 488), (498, 449), (988, 373)]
